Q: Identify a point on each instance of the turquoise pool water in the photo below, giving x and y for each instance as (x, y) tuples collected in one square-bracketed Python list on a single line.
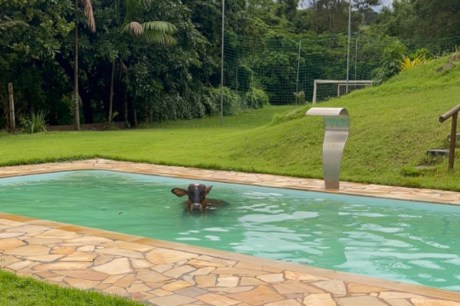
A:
[(405, 241)]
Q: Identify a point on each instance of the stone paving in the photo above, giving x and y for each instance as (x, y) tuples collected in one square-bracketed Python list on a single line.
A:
[(167, 273)]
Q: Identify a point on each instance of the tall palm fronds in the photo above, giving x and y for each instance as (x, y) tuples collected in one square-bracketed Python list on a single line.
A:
[(89, 14), (153, 31), (8, 23)]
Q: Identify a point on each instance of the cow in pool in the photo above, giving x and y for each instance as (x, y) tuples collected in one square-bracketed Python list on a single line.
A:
[(197, 196)]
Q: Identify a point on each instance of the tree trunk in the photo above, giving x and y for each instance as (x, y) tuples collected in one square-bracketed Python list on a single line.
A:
[(12, 119), (85, 97), (76, 100), (86, 104), (150, 119), (134, 114), (125, 101), (109, 121)]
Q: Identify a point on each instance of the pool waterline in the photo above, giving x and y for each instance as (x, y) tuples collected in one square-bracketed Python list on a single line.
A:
[(197, 231)]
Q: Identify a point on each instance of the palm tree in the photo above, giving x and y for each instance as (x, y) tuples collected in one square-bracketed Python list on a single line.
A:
[(92, 26), (9, 23), (154, 32)]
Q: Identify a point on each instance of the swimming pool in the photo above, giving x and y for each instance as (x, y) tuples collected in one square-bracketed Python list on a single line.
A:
[(405, 241)]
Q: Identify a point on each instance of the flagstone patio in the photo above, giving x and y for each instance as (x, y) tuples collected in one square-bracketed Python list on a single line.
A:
[(168, 273)]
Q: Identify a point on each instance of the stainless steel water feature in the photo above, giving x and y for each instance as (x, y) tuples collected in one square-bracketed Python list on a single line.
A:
[(336, 125)]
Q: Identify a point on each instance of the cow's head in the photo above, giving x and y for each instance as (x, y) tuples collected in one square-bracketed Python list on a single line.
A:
[(196, 193)]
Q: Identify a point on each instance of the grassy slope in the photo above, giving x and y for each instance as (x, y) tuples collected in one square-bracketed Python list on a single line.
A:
[(392, 126), (396, 123)]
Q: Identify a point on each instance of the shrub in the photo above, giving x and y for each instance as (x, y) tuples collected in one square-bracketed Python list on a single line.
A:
[(256, 98), (162, 107), (197, 104), (36, 123), (407, 63), (209, 100), (231, 100), (299, 97), (171, 107), (245, 78), (422, 53), (390, 63), (420, 56)]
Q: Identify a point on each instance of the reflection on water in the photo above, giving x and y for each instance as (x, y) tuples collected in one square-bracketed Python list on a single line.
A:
[(405, 241)]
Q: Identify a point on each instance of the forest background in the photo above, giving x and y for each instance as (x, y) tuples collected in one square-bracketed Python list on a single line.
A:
[(144, 61)]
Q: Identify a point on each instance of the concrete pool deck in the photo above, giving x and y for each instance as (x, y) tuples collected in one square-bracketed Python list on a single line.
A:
[(168, 273)]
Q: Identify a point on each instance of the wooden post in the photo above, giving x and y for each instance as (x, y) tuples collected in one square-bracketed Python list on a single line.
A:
[(453, 141), (11, 108)]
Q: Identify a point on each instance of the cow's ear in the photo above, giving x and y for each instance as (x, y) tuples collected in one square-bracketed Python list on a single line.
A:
[(208, 189), (179, 192)]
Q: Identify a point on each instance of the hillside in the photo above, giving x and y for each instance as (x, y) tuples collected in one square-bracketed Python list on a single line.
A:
[(392, 127)]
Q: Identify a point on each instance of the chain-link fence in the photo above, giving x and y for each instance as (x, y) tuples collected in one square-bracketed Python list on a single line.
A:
[(286, 67)]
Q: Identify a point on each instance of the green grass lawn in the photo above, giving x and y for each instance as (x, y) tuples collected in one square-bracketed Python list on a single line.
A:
[(25, 291)]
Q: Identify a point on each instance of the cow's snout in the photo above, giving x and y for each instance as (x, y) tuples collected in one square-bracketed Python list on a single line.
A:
[(196, 206)]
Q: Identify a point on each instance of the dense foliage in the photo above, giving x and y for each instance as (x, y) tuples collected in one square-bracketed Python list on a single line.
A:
[(150, 61)]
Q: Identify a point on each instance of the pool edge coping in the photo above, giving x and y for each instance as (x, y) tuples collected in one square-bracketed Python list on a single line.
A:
[(183, 172), (396, 286)]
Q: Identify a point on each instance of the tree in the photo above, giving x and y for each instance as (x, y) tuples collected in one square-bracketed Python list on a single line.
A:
[(437, 19), (399, 21), (276, 67), (92, 26), (6, 23), (364, 5), (153, 32), (33, 29), (391, 60), (288, 8), (122, 64), (332, 15), (424, 23), (32, 33)]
